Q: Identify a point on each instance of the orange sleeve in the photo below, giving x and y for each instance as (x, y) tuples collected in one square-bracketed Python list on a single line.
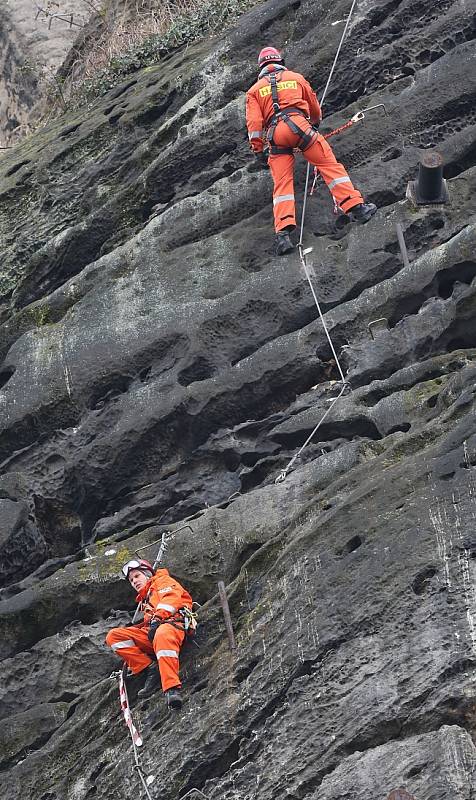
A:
[(254, 122), (315, 113)]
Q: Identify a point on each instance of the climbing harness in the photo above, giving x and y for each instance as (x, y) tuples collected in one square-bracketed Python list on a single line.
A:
[(185, 619), (190, 621), (302, 255), (281, 114)]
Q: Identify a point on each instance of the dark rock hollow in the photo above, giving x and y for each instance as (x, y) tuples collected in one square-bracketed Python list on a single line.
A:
[(157, 358)]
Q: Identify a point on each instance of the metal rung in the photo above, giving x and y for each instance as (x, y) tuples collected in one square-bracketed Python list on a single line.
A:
[(227, 615), (191, 791), (402, 244), (378, 326)]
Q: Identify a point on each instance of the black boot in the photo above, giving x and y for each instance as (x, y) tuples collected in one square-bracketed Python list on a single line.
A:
[(362, 212), (174, 698), (152, 683), (283, 243)]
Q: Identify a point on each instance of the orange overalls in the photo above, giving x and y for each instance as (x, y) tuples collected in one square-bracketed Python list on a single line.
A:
[(161, 598), (300, 105)]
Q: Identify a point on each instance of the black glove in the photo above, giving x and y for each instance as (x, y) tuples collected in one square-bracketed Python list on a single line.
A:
[(262, 159), (152, 630)]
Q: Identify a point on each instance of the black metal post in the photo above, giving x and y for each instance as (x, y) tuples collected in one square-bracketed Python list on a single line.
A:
[(400, 794), (430, 177), (430, 187)]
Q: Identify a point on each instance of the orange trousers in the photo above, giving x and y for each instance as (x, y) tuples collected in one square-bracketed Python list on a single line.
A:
[(320, 154), (133, 646)]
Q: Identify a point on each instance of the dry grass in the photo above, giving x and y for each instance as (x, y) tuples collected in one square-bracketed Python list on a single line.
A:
[(125, 34), (127, 41), (137, 36), (141, 36)]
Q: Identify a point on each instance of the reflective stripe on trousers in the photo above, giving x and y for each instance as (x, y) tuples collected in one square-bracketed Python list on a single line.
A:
[(120, 645), (281, 198), (336, 182), (167, 643), (319, 153), (134, 647)]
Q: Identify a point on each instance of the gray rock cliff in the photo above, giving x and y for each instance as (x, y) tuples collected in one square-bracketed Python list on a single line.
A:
[(159, 364), (35, 38)]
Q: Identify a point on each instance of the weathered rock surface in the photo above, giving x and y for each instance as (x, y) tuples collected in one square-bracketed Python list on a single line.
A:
[(34, 40), (157, 358), (18, 89)]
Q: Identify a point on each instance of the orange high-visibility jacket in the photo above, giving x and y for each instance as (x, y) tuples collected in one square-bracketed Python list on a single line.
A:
[(162, 596), (293, 90)]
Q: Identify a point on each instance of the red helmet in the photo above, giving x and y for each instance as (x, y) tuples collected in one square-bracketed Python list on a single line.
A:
[(138, 563), (269, 55)]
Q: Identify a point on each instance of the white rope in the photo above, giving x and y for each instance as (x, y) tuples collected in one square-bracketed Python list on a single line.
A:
[(304, 204), (283, 474), (302, 255), (338, 52), (308, 169), (141, 776)]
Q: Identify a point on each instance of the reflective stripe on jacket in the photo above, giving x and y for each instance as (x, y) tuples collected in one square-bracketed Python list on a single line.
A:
[(293, 91), (162, 596)]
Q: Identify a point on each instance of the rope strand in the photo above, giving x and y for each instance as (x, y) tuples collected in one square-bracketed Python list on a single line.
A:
[(303, 261), (302, 255), (338, 52), (308, 169)]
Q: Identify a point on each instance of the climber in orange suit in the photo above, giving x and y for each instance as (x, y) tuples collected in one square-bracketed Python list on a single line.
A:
[(158, 639), (282, 114)]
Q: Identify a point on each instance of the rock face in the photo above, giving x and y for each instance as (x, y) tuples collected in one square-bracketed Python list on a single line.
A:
[(18, 89), (157, 358), (33, 44)]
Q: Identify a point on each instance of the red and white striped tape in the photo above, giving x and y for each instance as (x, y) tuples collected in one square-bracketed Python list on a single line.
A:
[(127, 712)]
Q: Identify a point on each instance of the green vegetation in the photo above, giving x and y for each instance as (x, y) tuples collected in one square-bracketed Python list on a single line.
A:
[(41, 315), (174, 25)]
